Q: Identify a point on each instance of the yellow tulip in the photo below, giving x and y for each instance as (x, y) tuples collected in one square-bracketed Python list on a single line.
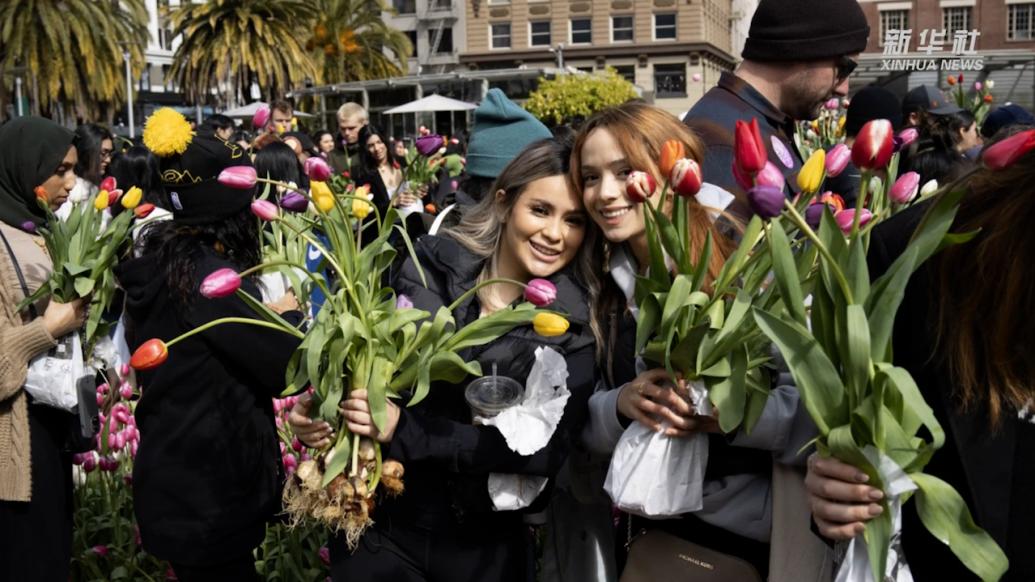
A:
[(132, 198), (549, 324), (841, 123), (361, 208), (320, 189), (811, 175), (324, 203), (362, 192), (101, 201)]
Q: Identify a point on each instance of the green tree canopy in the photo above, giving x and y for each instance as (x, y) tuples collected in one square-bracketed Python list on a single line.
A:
[(572, 98), (352, 43)]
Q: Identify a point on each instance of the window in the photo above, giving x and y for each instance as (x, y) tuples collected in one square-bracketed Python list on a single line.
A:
[(441, 4), (1020, 23), (499, 35), (621, 28), (954, 19), (581, 31), (405, 6), (539, 33), (412, 35), (664, 27), (892, 20), (670, 80), (445, 44), (628, 72)]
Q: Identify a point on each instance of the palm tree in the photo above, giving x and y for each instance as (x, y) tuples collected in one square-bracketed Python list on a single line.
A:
[(352, 43), (70, 51), (228, 44)]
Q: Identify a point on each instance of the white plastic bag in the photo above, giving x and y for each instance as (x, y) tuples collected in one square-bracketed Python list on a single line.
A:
[(653, 475), (52, 376)]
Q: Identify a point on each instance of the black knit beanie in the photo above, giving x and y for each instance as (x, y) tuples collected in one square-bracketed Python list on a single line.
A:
[(872, 102), (806, 30)]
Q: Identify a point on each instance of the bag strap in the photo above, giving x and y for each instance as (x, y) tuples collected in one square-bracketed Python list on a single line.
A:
[(18, 271)]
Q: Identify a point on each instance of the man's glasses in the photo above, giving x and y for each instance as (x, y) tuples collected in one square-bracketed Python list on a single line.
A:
[(845, 66)]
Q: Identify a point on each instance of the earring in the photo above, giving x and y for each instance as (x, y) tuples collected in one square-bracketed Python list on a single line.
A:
[(607, 257)]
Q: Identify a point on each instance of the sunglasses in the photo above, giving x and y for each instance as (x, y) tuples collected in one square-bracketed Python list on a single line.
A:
[(845, 66)]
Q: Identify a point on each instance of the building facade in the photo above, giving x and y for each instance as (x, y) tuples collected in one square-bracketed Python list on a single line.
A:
[(673, 50), (436, 30), (916, 42)]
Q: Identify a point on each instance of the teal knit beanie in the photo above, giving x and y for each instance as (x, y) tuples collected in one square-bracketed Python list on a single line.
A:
[(501, 130)]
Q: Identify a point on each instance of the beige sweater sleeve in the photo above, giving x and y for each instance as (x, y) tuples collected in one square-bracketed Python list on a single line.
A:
[(18, 345)]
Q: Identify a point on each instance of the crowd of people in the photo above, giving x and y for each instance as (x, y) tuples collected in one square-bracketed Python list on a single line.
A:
[(532, 203)]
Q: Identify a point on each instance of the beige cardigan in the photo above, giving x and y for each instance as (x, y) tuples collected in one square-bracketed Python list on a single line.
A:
[(20, 341)]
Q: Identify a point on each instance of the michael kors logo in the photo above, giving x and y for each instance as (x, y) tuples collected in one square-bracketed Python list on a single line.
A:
[(696, 562)]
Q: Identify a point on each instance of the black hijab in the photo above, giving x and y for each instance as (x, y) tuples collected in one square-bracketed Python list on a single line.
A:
[(31, 149)]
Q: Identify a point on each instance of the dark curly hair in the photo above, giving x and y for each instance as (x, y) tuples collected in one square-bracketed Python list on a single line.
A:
[(178, 247)]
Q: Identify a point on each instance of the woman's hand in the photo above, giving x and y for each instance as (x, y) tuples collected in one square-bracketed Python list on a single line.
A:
[(358, 419), (648, 401), (403, 199), (315, 434), (286, 303), (840, 502), (63, 318)]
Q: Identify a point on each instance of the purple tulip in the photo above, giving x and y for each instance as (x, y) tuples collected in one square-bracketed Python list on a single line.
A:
[(220, 283), (29, 227), (294, 202), (317, 169), (770, 176), (403, 302), (540, 292), (846, 217), (90, 463), (905, 188), (814, 214), (238, 177), (837, 159), (261, 117), (429, 144), (766, 201), (265, 210), (325, 556)]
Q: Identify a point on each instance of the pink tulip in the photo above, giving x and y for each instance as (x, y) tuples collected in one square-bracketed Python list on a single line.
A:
[(124, 370), (325, 556), (402, 302), (265, 210), (832, 103), (846, 217), (120, 441), (102, 388), (290, 464), (905, 188), (133, 449), (770, 176), (261, 117), (837, 160), (126, 390), (89, 463), (317, 169), (296, 444), (978, 86), (238, 177), (540, 292), (120, 412), (685, 178), (873, 145), (1005, 152), (220, 283), (99, 550), (905, 138), (100, 399)]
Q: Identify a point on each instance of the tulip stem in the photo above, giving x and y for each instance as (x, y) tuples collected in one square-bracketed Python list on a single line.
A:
[(485, 283), (244, 320), (804, 227), (312, 276)]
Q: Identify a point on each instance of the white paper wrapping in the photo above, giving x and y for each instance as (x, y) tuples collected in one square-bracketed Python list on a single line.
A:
[(51, 378), (654, 475), (856, 566), (529, 426)]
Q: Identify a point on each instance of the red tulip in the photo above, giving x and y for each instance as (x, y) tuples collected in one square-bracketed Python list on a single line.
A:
[(685, 178), (150, 354), (905, 188), (837, 160), (770, 176), (238, 177), (845, 218), (540, 292), (639, 186), (766, 201), (143, 210), (113, 197), (265, 210), (671, 152), (873, 145), (317, 169), (987, 98), (1005, 152), (261, 117), (99, 550), (749, 149), (220, 283), (744, 180), (108, 184)]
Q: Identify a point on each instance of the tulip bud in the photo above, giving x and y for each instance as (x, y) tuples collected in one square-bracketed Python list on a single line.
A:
[(951, 80), (132, 198), (929, 188), (766, 201), (990, 84), (814, 214), (549, 324), (988, 98), (749, 149), (360, 208), (540, 292), (743, 179), (238, 177), (846, 218), (960, 79), (108, 184), (905, 188), (261, 117), (290, 464), (265, 210), (429, 144), (873, 145), (150, 354), (100, 551), (639, 186), (905, 138), (810, 177), (317, 169), (837, 160), (220, 283), (126, 390), (978, 86), (114, 196), (832, 103), (325, 556), (89, 463), (671, 152), (143, 210), (29, 227), (403, 302), (41, 193), (770, 176), (294, 202), (685, 178), (1005, 152), (101, 201)]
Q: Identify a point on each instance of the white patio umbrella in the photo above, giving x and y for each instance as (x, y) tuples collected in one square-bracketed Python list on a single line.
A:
[(433, 103), (249, 110)]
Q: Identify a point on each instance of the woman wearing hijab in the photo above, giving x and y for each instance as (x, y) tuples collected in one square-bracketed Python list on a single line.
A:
[(37, 162)]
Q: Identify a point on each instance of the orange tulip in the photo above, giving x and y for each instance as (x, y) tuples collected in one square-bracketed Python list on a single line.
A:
[(150, 354), (671, 152)]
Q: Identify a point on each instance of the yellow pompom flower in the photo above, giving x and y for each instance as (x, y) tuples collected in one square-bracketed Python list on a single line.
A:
[(132, 198), (167, 132), (101, 201), (549, 324), (811, 174), (361, 208)]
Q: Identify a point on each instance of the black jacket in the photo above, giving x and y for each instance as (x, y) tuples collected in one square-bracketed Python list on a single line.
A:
[(207, 476), (993, 471), (448, 459)]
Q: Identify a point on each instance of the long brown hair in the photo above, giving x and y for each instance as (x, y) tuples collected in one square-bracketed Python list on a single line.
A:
[(985, 292), (641, 130)]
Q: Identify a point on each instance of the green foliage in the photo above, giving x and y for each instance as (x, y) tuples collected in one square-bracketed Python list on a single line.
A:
[(569, 98), (353, 43)]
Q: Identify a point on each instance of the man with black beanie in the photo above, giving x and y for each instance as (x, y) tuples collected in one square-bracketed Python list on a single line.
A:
[(799, 54)]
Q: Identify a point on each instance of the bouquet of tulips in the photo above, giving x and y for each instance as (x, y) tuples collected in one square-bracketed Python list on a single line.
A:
[(869, 412), (824, 132), (84, 248), (364, 338), (978, 102)]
